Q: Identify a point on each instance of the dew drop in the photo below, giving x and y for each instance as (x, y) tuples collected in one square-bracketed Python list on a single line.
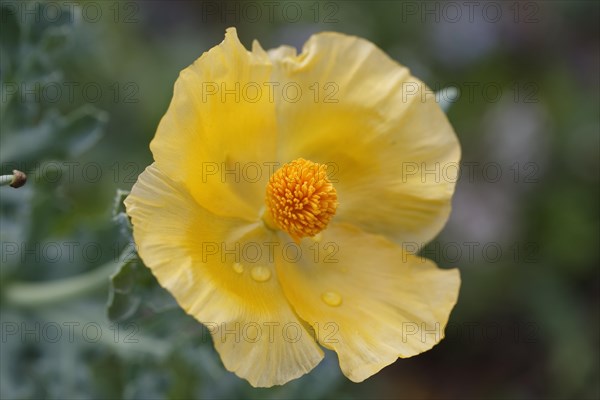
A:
[(332, 299), (239, 268), (260, 274)]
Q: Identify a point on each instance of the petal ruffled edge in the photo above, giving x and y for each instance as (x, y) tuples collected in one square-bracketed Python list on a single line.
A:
[(367, 299)]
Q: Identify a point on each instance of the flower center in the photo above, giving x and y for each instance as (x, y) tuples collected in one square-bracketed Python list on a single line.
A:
[(301, 199)]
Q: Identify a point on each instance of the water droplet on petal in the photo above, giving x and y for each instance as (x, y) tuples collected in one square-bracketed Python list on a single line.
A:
[(260, 274), (239, 268), (332, 299)]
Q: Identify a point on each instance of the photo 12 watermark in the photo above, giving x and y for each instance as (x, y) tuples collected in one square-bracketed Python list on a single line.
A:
[(255, 252), (493, 332), (91, 12), (70, 92), (471, 92), (325, 12), (254, 92), (68, 331), (490, 12), (470, 251)]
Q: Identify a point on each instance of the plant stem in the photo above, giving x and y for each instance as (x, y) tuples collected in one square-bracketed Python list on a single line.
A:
[(16, 180), (46, 293), (6, 179)]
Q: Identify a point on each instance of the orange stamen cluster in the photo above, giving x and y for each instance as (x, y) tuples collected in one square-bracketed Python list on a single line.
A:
[(301, 198)]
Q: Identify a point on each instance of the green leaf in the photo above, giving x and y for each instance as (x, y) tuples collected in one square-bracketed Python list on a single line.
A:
[(123, 301), (82, 129), (41, 26), (55, 137), (120, 215), (134, 291)]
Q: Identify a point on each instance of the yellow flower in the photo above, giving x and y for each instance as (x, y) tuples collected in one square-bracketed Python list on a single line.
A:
[(285, 194)]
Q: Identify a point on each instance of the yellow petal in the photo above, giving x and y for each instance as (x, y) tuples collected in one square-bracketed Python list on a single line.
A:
[(367, 299), (221, 272), (377, 128), (219, 129)]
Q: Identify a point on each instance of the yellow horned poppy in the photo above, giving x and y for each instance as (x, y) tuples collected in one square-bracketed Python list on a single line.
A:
[(284, 193)]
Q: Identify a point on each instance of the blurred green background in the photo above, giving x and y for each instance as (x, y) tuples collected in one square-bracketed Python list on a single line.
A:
[(84, 85)]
